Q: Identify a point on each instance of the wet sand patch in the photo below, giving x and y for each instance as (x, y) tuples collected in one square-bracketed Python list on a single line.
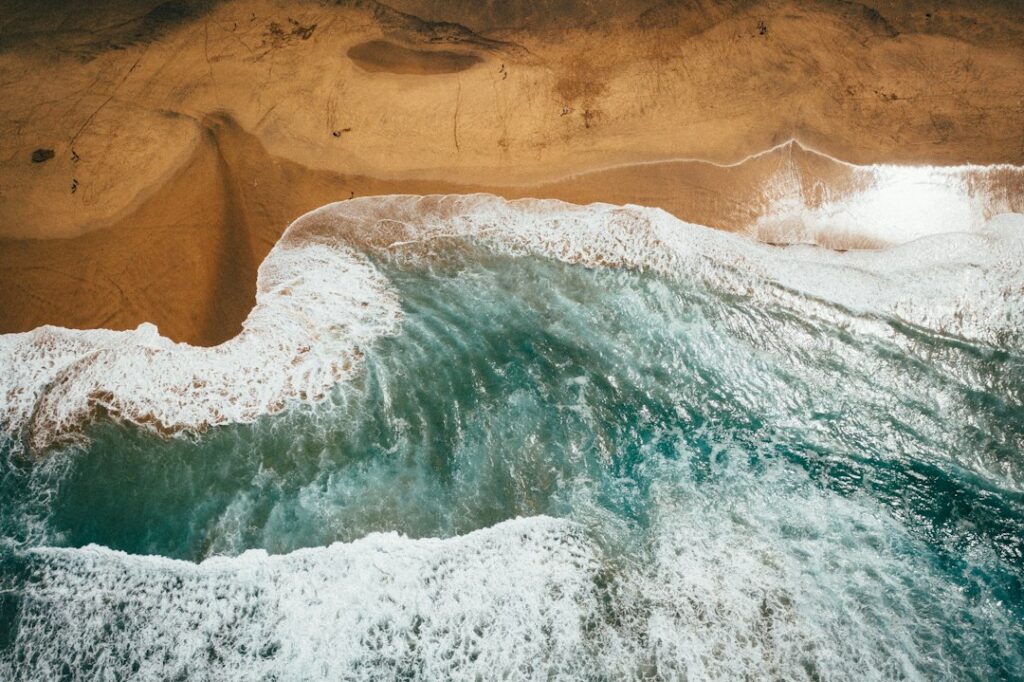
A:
[(384, 56)]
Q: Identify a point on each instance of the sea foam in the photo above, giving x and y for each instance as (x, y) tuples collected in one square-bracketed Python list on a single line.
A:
[(383, 607), (320, 302), (773, 581), (809, 197)]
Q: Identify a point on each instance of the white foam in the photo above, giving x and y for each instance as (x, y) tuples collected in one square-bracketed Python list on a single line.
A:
[(767, 579), (384, 607), (319, 303), (881, 204), (316, 306)]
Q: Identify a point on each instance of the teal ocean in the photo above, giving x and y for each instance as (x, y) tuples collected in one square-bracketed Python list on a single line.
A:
[(559, 470)]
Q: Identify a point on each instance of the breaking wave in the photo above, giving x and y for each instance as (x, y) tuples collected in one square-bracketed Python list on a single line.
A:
[(535, 440), (320, 302), (762, 594), (809, 197)]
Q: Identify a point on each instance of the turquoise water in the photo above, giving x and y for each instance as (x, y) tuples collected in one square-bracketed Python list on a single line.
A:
[(734, 489)]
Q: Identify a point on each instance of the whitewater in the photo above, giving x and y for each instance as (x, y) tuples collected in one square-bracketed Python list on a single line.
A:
[(461, 437)]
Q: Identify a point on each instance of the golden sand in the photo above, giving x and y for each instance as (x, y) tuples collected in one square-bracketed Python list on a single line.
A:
[(185, 136)]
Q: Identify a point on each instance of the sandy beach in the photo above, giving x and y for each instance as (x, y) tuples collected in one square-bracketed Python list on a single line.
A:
[(149, 164)]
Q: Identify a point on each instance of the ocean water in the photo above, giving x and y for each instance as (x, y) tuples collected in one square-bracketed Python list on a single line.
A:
[(533, 441)]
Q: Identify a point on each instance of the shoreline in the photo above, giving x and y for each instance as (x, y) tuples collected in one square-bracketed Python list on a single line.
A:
[(150, 165), (321, 304), (192, 270)]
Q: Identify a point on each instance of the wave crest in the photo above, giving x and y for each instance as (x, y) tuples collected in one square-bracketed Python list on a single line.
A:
[(320, 301)]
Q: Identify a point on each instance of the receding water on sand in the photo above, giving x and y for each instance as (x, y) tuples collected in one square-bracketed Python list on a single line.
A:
[(559, 471)]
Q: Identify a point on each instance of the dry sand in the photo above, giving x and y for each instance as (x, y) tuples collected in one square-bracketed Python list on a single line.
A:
[(186, 135)]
